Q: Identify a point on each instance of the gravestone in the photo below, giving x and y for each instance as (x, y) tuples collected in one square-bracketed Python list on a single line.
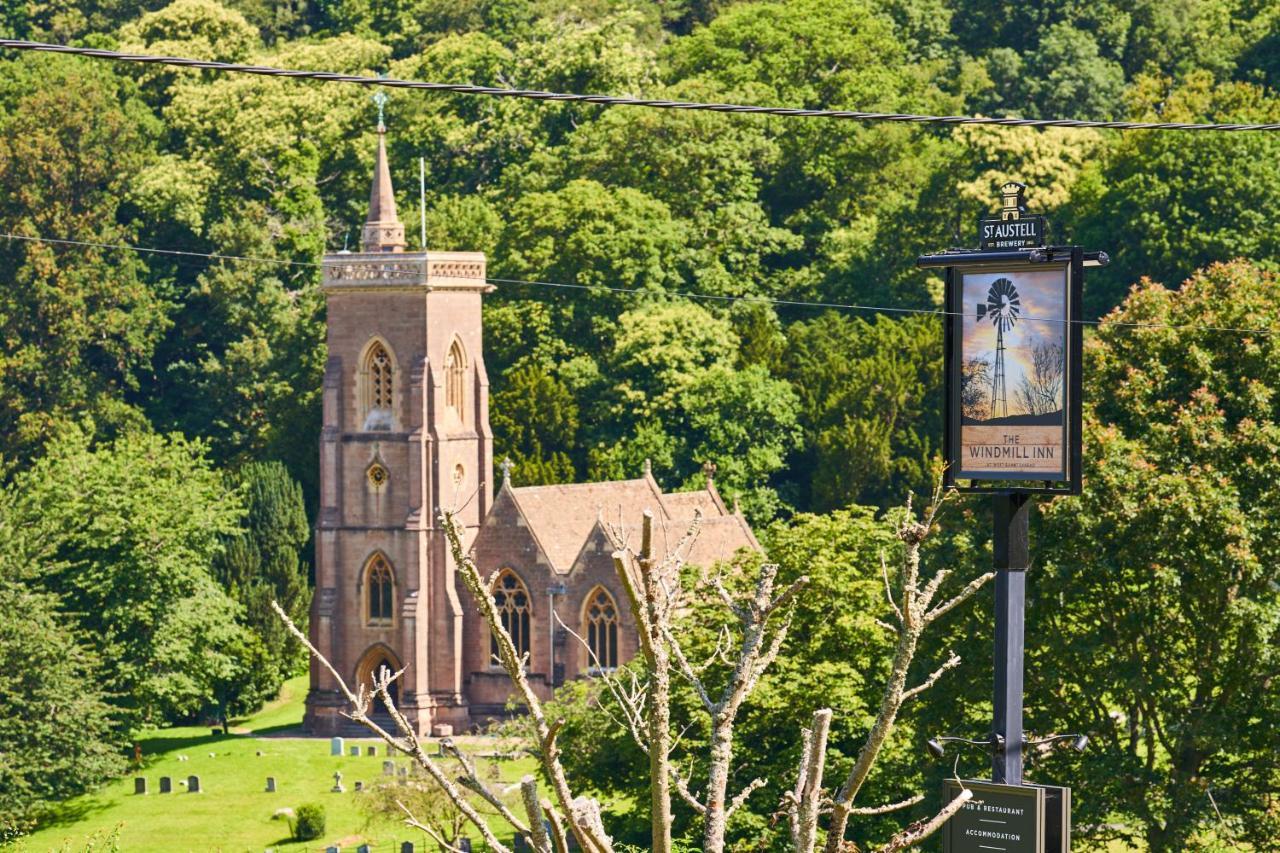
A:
[(406, 847), (363, 848), (140, 784), (193, 784), (333, 848), (271, 784), (519, 845), (439, 749), (464, 844), (259, 753), (372, 750), (215, 732), (213, 755), (337, 783), (359, 785), (166, 785), (388, 768), (336, 746), (355, 750)]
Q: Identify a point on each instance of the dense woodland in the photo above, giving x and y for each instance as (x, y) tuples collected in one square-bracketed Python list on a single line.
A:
[(158, 412)]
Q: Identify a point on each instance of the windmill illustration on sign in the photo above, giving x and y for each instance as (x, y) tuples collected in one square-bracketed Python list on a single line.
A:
[(1002, 308)]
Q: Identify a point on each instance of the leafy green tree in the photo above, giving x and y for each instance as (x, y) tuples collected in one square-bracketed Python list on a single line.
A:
[(1164, 205), (59, 735), (259, 564), (871, 397), (80, 321), (535, 423), (132, 529), (671, 390), (1157, 612)]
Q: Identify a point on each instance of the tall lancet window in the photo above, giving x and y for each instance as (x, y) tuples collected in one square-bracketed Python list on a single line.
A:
[(600, 618), (511, 599), (380, 583), (455, 371), (378, 383)]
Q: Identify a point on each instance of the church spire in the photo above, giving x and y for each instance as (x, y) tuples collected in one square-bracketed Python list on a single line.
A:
[(383, 231)]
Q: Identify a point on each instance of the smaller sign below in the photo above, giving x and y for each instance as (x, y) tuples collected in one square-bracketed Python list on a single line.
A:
[(998, 819)]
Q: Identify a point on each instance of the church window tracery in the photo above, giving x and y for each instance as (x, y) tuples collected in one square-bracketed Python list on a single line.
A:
[(455, 368), (600, 627), (511, 599), (378, 387), (380, 583)]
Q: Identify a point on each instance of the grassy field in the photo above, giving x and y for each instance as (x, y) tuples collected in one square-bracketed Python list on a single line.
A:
[(233, 812)]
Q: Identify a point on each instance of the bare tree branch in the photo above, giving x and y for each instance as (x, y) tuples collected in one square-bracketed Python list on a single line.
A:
[(950, 663), (922, 829), (409, 745), (890, 807)]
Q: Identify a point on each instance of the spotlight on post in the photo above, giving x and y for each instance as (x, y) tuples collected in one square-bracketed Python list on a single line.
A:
[(1080, 743), (935, 747)]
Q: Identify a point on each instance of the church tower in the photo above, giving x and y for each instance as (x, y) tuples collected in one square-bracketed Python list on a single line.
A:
[(406, 431)]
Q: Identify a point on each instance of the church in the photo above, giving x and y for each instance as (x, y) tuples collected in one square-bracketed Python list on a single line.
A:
[(405, 432)]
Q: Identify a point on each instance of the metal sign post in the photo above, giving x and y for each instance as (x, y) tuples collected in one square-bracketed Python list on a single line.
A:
[(1013, 417)]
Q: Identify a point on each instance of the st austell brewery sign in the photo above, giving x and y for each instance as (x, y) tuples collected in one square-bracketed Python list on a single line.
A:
[(1013, 339)]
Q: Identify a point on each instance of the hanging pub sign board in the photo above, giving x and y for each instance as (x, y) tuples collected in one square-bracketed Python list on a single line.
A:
[(1012, 359)]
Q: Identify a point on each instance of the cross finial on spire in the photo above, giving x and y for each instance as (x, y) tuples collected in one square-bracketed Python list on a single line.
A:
[(380, 98), (506, 466), (709, 469)]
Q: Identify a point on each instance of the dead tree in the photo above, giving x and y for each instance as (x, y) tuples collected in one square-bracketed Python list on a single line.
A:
[(913, 609), (654, 589)]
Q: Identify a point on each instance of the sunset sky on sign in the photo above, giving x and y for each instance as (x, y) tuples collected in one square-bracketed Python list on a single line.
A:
[(1043, 308)]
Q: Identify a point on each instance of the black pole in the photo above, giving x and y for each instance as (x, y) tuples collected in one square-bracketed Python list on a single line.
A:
[(1011, 549)]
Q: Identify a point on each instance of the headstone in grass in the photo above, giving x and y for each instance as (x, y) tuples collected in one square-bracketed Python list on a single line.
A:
[(371, 750), (336, 746), (166, 785), (359, 786), (464, 844), (518, 844), (333, 848), (337, 783), (355, 750), (193, 784), (388, 768), (363, 848), (140, 784), (406, 847), (271, 784)]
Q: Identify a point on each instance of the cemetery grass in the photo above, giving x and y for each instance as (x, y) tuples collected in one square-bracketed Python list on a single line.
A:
[(233, 811)]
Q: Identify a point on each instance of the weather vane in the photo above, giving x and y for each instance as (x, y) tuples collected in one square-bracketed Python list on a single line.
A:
[(380, 98)]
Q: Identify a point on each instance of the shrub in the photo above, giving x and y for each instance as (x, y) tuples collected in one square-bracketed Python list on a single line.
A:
[(309, 824)]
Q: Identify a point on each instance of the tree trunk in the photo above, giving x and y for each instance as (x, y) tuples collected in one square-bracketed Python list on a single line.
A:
[(718, 784), (660, 748)]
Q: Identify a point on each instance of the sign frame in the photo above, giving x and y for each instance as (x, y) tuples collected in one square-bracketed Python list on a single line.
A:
[(1072, 260), (1033, 795)]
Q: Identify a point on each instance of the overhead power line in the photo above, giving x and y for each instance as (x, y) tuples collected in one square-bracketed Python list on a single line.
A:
[(633, 291), (613, 100)]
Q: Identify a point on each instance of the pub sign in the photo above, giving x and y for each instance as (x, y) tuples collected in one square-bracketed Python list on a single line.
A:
[(1013, 341)]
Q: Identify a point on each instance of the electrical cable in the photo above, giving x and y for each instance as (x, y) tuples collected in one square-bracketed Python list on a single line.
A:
[(612, 100), (633, 291)]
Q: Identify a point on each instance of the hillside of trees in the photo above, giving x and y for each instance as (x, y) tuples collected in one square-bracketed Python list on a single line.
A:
[(159, 412)]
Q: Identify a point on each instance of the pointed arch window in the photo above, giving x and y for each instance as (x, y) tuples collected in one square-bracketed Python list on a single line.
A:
[(380, 583), (378, 387), (511, 599), (455, 369), (600, 627)]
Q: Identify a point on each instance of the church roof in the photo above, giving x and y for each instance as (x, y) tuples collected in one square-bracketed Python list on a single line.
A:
[(562, 518)]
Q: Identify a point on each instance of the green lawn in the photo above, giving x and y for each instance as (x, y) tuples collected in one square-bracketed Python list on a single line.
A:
[(233, 811)]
